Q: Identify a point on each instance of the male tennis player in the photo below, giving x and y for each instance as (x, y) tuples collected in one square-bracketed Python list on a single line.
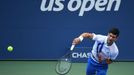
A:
[(103, 52)]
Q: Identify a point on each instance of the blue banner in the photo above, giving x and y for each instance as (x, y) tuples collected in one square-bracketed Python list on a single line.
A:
[(45, 29), (81, 54)]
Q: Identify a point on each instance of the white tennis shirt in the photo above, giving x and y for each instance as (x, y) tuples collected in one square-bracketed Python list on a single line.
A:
[(106, 51)]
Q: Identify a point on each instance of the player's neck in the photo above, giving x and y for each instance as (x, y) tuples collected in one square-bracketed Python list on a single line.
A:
[(109, 43)]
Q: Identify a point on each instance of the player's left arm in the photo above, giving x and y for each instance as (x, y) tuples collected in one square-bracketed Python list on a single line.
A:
[(113, 57)]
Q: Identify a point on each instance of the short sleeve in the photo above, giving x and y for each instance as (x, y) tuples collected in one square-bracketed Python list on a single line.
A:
[(98, 37), (94, 36)]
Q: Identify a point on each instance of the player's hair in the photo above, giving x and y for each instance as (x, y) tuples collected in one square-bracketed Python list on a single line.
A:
[(114, 31)]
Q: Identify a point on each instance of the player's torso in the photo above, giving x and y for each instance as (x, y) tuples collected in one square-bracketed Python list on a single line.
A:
[(103, 49)]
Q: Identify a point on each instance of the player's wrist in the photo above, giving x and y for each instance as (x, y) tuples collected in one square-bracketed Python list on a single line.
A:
[(108, 61), (81, 38)]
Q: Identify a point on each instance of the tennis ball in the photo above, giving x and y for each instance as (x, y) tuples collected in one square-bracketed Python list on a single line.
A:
[(10, 48)]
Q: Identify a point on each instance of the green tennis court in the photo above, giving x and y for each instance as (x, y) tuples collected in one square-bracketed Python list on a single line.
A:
[(48, 68)]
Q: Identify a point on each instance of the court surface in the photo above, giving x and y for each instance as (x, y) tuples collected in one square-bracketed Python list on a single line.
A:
[(48, 68)]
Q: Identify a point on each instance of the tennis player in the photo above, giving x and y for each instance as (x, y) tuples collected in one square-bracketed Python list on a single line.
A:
[(104, 51)]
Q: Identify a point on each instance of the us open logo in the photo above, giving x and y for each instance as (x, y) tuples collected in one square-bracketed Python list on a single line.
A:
[(80, 5)]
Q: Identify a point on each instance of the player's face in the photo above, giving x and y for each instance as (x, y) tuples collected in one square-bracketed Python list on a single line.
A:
[(111, 38)]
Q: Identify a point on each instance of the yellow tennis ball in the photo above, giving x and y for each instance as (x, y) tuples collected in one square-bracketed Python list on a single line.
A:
[(10, 48)]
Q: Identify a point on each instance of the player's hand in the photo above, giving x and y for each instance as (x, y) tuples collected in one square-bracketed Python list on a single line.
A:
[(76, 41), (100, 58), (108, 61)]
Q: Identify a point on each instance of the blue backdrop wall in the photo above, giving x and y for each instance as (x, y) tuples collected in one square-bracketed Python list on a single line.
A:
[(37, 33)]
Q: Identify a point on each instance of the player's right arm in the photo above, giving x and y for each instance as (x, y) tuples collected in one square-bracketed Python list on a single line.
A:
[(81, 37)]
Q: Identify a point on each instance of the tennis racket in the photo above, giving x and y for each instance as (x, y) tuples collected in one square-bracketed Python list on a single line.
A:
[(64, 64)]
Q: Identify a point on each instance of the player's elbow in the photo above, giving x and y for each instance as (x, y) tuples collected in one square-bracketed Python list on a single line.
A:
[(87, 35)]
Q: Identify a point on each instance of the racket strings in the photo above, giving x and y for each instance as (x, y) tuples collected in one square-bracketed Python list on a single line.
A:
[(63, 66)]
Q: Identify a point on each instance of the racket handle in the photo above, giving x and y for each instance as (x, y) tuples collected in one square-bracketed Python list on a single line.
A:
[(72, 47)]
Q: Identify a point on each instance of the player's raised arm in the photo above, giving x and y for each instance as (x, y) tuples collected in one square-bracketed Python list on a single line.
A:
[(81, 37)]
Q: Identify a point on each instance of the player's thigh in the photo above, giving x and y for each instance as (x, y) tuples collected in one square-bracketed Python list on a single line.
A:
[(90, 69), (102, 72)]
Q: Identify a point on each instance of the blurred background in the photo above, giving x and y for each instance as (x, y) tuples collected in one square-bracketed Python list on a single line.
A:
[(46, 35), (32, 38)]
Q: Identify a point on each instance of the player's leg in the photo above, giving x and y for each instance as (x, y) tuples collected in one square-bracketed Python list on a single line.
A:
[(90, 68), (102, 71)]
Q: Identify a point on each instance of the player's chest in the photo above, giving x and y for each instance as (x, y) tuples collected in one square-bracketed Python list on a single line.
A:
[(106, 50)]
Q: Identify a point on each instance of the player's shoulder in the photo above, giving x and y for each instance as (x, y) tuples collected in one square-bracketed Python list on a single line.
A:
[(99, 37)]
